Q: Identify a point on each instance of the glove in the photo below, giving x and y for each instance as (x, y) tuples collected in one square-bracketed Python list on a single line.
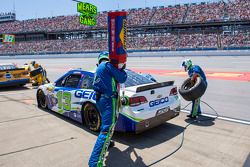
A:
[(123, 67), (124, 101)]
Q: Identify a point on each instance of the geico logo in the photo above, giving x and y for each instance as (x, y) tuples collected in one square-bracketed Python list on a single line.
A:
[(158, 102), (85, 94)]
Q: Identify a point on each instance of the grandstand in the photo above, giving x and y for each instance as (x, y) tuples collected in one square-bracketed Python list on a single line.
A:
[(205, 26)]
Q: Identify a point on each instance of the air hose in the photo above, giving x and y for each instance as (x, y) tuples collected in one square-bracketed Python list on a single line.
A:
[(183, 133)]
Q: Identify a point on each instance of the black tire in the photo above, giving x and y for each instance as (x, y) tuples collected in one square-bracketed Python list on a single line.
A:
[(192, 90), (92, 117), (36, 72), (41, 100)]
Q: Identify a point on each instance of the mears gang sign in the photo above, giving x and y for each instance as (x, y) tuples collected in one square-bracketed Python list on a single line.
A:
[(88, 13)]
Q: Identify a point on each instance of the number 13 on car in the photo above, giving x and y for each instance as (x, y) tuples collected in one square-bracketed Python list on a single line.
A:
[(64, 100)]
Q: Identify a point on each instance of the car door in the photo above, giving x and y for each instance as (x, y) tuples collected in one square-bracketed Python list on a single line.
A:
[(64, 93)]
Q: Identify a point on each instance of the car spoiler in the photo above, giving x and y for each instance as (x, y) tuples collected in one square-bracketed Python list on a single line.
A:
[(154, 86), (12, 69)]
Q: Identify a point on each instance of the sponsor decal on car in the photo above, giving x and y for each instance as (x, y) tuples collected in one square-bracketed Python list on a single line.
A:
[(85, 94), (8, 76), (158, 102)]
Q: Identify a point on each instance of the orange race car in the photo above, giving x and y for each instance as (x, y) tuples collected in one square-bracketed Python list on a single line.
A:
[(11, 75)]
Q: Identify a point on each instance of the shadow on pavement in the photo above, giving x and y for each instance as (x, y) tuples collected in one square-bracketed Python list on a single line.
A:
[(14, 88), (120, 158), (69, 120), (247, 162), (201, 121), (143, 140), (149, 138)]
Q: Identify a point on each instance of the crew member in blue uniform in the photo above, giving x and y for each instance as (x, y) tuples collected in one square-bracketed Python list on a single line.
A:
[(194, 71), (105, 84)]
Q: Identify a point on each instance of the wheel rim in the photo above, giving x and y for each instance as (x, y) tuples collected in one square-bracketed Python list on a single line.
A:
[(188, 85), (92, 117), (42, 99)]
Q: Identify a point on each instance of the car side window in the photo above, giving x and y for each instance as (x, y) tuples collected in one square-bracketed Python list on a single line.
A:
[(87, 82), (72, 81), (61, 82)]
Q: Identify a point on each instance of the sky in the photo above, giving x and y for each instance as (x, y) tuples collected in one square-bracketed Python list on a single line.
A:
[(29, 9)]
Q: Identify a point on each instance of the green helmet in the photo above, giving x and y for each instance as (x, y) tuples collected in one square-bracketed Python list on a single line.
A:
[(187, 63), (103, 56)]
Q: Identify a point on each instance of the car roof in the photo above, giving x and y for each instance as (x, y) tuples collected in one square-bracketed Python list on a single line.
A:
[(80, 71)]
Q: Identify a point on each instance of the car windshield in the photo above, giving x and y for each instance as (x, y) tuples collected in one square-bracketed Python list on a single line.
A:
[(135, 79), (7, 67)]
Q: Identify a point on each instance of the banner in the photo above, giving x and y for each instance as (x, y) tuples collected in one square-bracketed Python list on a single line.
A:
[(88, 13), (8, 38)]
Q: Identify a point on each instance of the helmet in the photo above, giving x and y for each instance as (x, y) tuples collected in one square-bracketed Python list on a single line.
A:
[(102, 56), (187, 63), (33, 63)]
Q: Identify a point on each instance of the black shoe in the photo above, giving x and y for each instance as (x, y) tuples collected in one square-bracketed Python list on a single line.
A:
[(192, 117), (111, 144)]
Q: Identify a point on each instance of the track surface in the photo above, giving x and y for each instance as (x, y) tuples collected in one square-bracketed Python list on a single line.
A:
[(33, 137)]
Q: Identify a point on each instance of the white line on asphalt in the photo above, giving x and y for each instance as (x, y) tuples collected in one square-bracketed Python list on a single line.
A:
[(223, 118)]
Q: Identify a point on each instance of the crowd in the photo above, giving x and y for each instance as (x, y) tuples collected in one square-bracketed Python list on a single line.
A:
[(169, 15), (238, 10), (49, 46), (206, 12), (140, 16), (198, 41), (144, 42), (188, 13), (236, 40)]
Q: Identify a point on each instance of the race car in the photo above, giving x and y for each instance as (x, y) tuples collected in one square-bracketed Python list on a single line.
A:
[(150, 103), (11, 75)]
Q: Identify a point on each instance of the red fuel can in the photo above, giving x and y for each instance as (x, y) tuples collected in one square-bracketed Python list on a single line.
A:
[(117, 38)]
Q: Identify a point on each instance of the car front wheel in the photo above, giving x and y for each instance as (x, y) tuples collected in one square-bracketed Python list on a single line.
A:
[(41, 99)]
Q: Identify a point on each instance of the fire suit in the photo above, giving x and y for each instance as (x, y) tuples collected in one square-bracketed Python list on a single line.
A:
[(105, 85), (195, 69)]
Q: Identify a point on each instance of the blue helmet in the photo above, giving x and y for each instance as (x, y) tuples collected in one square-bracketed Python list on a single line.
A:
[(103, 56)]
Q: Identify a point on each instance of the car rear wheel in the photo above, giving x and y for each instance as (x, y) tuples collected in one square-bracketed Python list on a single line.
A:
[(41, 99), (92, 117)]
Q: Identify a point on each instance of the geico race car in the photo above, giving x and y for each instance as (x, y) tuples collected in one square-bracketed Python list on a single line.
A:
[(150, 103), (11, 75)]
